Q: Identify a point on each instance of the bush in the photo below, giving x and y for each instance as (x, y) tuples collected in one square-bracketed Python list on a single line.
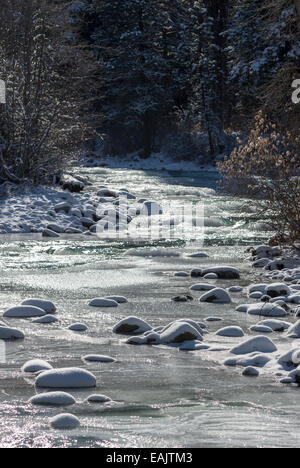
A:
[(44, 72), (267, 169)]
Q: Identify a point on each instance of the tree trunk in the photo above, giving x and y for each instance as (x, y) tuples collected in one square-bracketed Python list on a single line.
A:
[(147, 136), (297, 7)]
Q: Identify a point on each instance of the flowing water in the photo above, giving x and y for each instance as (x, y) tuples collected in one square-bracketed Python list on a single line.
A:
[(163, 397)]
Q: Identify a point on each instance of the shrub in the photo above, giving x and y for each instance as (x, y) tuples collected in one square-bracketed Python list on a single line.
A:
[(267, 169)]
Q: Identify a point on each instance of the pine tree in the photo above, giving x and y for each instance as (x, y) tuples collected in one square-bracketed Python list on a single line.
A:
[(141, 56)]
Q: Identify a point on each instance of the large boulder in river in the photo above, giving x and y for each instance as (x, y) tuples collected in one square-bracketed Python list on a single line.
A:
[(261, 344), (69, 377), (217, 296), (131, 325), (10, 334), (24, 311), (223, 272), (294, 330), (178, 332), (266, 309), (47, 306), (277, 290)]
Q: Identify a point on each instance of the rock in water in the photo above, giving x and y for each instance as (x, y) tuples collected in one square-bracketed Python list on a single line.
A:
[(10, 334), (294, 330), (202, 287), (102, 302), (131, 325), (98, 399), (275, 325), (277, 289), (217, 295), (53, 399), (49, 233), (210, 276), (260, 344), (234, 332), (261, 329), (78, 327), (266, 309), (36, 365), (46, 319), (47, 306), (69, 377), (24, 312), (223, 272), (98, 358), (65, 421), (178, 332), (251, 372)]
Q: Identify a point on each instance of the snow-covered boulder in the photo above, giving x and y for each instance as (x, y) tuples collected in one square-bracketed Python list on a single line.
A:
[(78, 327), (131, 325), (261, 329), (286, 359), (211, 276), (178, 332), (295, 376), (10, 334), (255, 295), (24, 312), (235, 289), (260, 344), (294, 298), (257, 287), (182, 274), (275, 325), (46, 319), (98, 358), (103, 302), (294, 330), (98, 399), (277, 289), (266, 309), (65, 421), (252, 359), (63, 206), (234, 332), (217, 296), (202, 287), (36, 365), (47, 306), (49, 233), (261, 263), (250, 372), (223, 272), (108, 193), (137, 340), (52, 399), (69, 377)]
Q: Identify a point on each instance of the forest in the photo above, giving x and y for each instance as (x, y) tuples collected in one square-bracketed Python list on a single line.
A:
[(181, 77)]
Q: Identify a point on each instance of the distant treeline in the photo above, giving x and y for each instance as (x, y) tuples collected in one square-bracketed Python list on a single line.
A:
[(180, 76)]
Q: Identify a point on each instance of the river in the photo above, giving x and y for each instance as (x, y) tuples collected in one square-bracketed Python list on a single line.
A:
[(162, 397)]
